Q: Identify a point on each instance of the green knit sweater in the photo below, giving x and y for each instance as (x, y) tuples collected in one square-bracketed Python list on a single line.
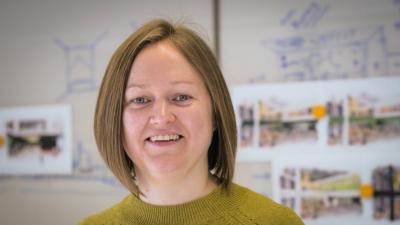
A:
[(236, 205)]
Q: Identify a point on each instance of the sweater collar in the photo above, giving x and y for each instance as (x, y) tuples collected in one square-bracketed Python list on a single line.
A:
[(209, 206)]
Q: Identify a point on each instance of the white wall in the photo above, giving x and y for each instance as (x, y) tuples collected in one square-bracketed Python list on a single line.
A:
[(36, 37)]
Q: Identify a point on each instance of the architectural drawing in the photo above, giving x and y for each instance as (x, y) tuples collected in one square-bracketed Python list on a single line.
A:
[(355, 52), (80, 65)]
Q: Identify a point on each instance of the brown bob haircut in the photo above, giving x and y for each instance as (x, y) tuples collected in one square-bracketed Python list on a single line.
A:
[(108, 128)]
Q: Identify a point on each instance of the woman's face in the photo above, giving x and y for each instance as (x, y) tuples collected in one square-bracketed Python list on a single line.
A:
[(167, 118)]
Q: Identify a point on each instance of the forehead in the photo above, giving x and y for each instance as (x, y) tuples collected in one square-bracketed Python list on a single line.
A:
[(161, 62)]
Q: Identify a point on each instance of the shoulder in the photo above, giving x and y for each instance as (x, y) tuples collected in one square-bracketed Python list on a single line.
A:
[(264, 210), (111, 215)]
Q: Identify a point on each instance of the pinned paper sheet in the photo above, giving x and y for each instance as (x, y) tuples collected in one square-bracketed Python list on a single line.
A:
[(36, 140)]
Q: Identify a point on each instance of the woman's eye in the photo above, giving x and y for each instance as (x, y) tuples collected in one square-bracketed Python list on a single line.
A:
[(181, 98), (140, 100)]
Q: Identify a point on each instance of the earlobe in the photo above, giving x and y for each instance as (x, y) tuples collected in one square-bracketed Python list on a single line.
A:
[(133, 174)]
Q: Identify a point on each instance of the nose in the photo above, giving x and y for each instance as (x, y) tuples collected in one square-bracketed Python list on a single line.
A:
[(162, 114)]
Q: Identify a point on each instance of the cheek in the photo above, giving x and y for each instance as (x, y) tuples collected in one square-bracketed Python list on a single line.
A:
[(200, 124), (132, 125)]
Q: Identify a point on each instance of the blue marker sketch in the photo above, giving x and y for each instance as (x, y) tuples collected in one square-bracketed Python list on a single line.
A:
[(80, 65), (260, 78), (356, 52), (86, 169), (306, 18), (289, 15), (394, 61), (397, 23)]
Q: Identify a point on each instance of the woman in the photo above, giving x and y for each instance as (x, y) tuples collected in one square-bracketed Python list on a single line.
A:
[(165, 126)]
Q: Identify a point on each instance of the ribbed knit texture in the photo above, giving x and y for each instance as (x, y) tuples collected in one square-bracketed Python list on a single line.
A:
[(237, 205)]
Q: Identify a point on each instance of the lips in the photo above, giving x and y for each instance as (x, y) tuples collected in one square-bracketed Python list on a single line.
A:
[(164, 138)]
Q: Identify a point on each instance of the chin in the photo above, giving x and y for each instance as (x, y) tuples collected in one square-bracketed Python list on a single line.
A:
[(164, 167)]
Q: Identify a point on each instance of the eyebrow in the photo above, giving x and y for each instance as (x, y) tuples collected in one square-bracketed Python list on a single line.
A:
[(182, 82), (135, 85), (140, 85)]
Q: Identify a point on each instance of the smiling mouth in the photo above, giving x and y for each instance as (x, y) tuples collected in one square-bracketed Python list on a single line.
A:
[(164, 138)]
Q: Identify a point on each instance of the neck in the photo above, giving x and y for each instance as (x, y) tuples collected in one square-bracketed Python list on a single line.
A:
[(175, 191)]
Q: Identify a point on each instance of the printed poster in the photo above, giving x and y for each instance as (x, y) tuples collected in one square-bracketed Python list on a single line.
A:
[(36, 140)]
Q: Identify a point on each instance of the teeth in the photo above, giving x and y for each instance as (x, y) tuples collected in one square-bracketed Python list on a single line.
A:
[(171, 137)]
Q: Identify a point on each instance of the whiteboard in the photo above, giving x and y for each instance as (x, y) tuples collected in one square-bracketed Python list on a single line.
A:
[(293, 53), (55, 52), (276, 41)]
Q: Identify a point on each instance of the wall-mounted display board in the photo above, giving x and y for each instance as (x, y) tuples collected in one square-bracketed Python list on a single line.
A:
[(329, 150)]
